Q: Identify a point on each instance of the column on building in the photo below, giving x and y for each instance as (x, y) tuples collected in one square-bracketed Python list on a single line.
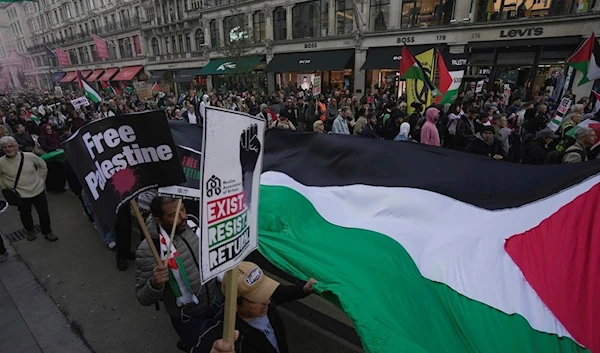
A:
[(395, 9), (79, 58), (288, 18), (250, 25), (206, 29), (462, 9), (270, 75), (331, 18), (268, 12), (221, 31), (117, 49), (360, 56), (365, 10)]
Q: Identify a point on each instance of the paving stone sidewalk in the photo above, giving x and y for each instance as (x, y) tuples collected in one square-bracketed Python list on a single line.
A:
[(30, 322)]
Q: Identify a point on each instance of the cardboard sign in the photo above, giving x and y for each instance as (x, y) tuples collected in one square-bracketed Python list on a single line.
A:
[(117, 158), (479, 86), (80, 102), (231, 167), (316, 85)]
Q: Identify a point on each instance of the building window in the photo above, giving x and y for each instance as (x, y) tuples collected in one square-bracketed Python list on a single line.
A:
[(166, 44), (214, 33), (181, 48), (426, 13), (199, 38), (92, 5), (235, 28), (344, 14), (259, 26), (279, 23), (73, 57), (174, 42), (68, 11), (502, 10), (380, 15), (188, 42), (155, 48), (310, 19)]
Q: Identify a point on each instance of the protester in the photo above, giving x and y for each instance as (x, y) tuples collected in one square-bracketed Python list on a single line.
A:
[(585, 138), (189, 311), (370, 131), (340, 124), (258, 322), (429, 132), (485, 144), (502, 132), (24, 139), (361, 122), (282, 123), (536, 151), (29, 185), (319, 126)]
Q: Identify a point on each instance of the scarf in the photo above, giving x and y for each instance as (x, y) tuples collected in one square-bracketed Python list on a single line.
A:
[(178, 278)]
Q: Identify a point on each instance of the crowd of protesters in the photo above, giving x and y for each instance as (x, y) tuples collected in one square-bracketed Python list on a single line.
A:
[(487, 124)]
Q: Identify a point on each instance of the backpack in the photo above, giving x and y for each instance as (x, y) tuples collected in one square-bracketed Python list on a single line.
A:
[(556, 157)]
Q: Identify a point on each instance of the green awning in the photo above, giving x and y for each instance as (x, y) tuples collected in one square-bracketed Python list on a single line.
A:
[(231, 65)]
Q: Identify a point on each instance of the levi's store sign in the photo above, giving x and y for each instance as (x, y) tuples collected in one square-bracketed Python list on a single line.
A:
[(304, 61), (522, 32)]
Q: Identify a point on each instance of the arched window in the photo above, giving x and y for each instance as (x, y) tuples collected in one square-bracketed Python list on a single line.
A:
[(155, 47), (199, 38), (279, 24), (259, 26), (310, 19)]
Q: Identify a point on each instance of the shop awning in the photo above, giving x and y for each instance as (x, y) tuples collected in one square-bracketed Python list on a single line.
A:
[(227, 66), (157, 75), (86, 73), (127, 73), (57, 76), (388, 58), (330, 60), (108, 74), (94, 76), (187, 75), (69, 77)]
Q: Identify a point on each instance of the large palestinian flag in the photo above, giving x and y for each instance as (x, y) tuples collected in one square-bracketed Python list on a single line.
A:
[(436, 251)]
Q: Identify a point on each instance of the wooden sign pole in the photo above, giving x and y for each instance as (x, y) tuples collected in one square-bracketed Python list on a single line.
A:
[(179, 201), (144, 230), (230, 282)]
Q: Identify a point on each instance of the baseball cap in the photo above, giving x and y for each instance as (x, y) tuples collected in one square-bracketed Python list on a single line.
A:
[(546, 133), (253, 284)]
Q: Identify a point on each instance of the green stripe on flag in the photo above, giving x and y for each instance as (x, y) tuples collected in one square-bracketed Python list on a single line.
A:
[(395, 309)]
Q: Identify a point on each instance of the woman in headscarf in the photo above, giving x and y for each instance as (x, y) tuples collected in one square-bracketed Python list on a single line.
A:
[(50, 141), (404, 134)]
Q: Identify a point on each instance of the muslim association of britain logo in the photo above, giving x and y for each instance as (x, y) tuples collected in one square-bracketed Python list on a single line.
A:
[(213, 186)]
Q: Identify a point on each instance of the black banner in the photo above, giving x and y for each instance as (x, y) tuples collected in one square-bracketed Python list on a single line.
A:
[(116, 158)]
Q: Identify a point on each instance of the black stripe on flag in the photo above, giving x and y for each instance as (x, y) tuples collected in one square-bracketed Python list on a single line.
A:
[(315, 159)]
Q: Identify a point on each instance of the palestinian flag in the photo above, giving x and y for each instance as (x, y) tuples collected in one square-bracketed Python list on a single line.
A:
[(451, 70), (587, 60), (109, 88), (155, 87), (596, 96), (410, 68), (431, 250), (90, 93), (593, 124)]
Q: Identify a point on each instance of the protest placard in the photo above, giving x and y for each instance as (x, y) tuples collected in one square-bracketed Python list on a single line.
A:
[(231, 166), (118, 157), (190, 189), (80, 102), (316, 85), (560, 113)]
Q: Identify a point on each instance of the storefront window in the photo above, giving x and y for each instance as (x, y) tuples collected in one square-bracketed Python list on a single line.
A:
[(279, 24), (310, 19), (235, 27), (259, 27), (502, 10), (199, 38), (155, 48), (344, 14), (380, 15), (426, 13), (214, 33)]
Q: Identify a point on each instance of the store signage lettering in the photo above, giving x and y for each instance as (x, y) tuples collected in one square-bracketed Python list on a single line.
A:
[(310, 45), (459, 62), (405, 40), (525, 32), (397, 58), (304, 61)]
